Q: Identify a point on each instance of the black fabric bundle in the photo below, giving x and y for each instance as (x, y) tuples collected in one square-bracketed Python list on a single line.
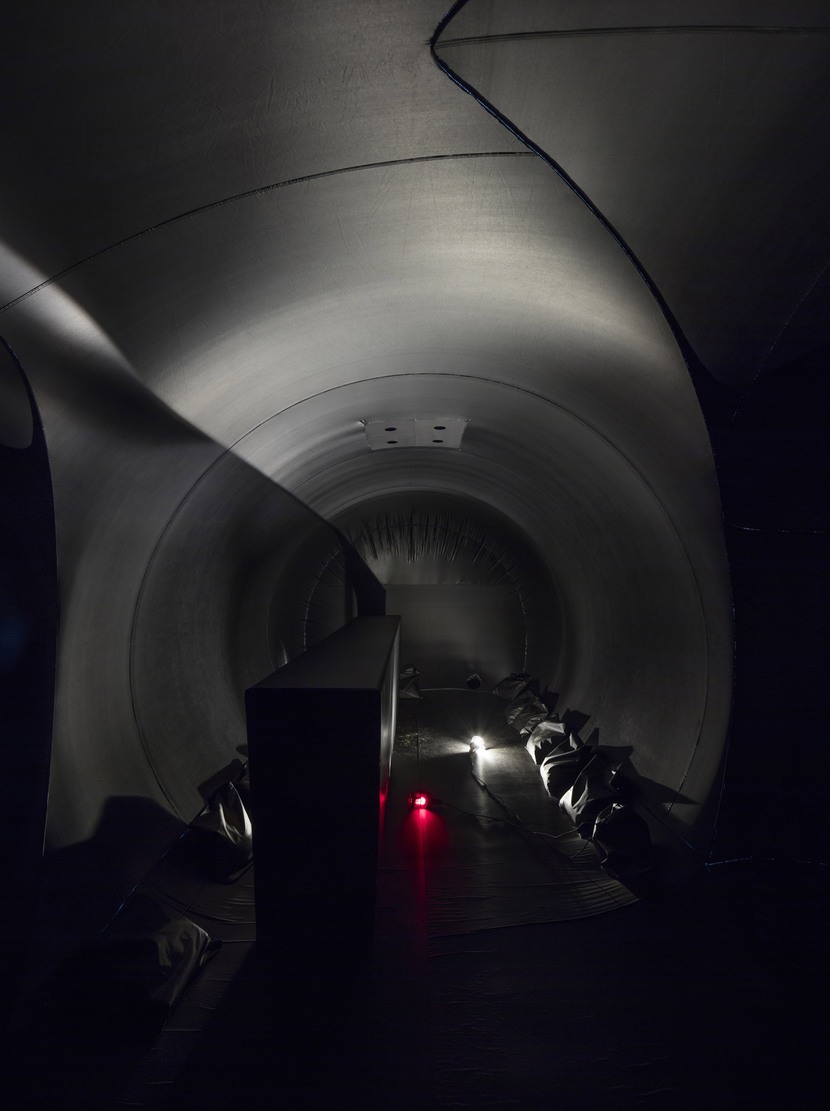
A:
[(515, 684), (563, 764), (408, 686), (546, 737), (220, 839), (128, 981), (591, 792), (622, 840), (595, 797), (525, 712)]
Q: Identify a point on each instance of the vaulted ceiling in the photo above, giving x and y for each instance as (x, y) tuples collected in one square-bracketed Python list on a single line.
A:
[(235, 235)]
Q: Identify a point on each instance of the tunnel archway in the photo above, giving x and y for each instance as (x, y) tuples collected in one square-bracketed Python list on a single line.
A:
[(473, 595), (637, 631)]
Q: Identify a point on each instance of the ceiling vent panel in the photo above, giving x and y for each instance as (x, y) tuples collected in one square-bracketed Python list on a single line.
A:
[(436, 432)]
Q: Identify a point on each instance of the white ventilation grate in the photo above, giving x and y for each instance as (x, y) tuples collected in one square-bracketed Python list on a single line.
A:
[(392, 432)]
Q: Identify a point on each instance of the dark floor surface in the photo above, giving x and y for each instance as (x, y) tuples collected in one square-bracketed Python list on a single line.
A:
[(507, 971)]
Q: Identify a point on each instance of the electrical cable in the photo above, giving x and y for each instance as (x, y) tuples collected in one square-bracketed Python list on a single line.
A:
[(768, 860), (121, 906), (516, 824), (500, 802), (513, 821)]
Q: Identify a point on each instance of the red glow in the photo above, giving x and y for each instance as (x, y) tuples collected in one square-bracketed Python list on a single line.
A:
[(384, 793), (419, 800)]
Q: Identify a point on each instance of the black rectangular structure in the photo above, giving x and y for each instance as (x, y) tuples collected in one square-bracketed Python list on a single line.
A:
[(320, 737)]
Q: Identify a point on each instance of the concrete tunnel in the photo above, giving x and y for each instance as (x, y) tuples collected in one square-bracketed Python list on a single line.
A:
[(488, 299)]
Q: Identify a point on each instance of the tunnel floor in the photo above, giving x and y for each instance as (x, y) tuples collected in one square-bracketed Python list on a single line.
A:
[(496, 980)]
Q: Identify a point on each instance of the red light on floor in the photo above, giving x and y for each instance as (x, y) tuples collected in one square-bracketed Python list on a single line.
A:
[(418, 800)]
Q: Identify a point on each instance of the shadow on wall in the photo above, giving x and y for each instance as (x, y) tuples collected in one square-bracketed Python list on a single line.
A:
[(83, 885), (171, 550), (242, 578)]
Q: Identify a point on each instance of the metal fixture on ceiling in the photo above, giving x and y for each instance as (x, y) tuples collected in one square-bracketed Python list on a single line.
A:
[(384, 433)]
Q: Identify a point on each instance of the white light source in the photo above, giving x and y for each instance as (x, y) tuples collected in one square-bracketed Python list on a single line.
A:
[(477, 758)]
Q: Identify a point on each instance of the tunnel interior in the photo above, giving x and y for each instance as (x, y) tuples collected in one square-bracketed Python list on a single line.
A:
[(514, 317)]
